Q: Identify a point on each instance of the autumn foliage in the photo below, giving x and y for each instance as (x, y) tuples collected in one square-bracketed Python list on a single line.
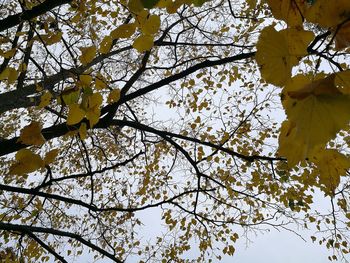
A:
[(214, 118)]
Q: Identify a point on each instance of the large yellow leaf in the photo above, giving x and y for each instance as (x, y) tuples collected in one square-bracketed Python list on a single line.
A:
[(135, 6), (10, 74), (82, 131), (321, 86), (95, 100), (123, 31), (100, 81), (342, 81), (143, 43), (278, 51), (85, 80), (106, 45), (70, 95), (289, 11), (140, 18), (297, 40), (328, 13), (290, 146), (331, 166), (315, 113), (173, 6), (151, 25), (27, 162), (342, 37), (93, 110), (31, 134), (87, 54), (163, 3), (75, 114)]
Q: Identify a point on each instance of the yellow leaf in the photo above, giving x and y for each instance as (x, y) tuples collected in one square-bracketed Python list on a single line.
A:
[(75, 114), (151, 25), (27, 162), (342, 37), (328, 13), (31, 134), (53, 38), (289, 11), (4, 74), (297, 40), (93, 110), (50, 156), (45, 99), (38, 87), (163, 3), (48, 39), (290, 146), (135, 6), (141, 17), (314, 117), (85, 80), (95, 100), (93, 116), (278, 51), (123, 31), (8, 54), (12, 75), (83, 131), (100, 82), (87, 54), (342, 81), (172, 7), (4, 40), (324, 86), (114, 96), (106, 45), (143, 43), (331, 166), (273, 57), (70, 95)]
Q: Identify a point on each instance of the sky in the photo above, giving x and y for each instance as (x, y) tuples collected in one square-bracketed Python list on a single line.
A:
[(269, 247), (278, 247), (272, 246)]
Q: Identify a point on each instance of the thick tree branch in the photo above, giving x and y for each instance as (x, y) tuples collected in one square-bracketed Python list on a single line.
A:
[(92, 207), (139, 126), (19, 98), (205, 64), (25, 229), (23, 98), (82, 175), (11, 145), (14, 44), (38, 10), (186, 72)]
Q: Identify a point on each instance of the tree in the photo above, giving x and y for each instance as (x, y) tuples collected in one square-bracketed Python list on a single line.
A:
[(112, 108)]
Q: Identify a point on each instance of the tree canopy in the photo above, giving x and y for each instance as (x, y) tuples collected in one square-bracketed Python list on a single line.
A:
[(221, 117)]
